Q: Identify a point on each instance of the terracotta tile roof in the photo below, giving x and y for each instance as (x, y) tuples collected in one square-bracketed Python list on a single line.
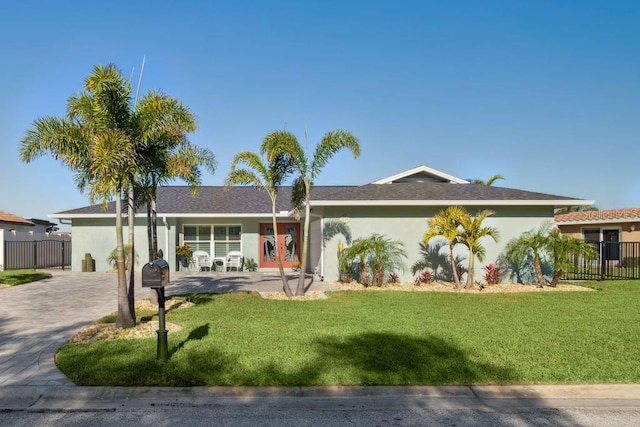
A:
[(632, 214), (7, 217)]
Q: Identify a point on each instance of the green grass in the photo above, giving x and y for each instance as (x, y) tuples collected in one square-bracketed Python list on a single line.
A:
[(20, 277), (382, 338)]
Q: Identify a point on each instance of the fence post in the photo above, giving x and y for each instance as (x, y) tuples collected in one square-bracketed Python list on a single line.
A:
[(35, 255), (62, 260), (603, 260)]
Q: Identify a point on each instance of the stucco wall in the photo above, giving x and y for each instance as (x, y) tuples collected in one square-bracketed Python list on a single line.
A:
[(624, 228), (409, 224), (98, 237)]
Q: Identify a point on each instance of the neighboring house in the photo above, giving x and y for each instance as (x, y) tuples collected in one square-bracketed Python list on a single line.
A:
[(10, 226), (30, 232), (220, 220), (618, 228)]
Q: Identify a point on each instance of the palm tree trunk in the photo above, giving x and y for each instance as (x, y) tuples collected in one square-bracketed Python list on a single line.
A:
[(470, 270), (537, 266), (454, 267), (131, 259), (378, 276), (557, 275), (124, 318), (305, 247), (283, 277), (154, 228), (364, 274), (149, 232)]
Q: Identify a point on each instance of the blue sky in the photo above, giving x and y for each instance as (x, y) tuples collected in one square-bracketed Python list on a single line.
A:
[(545, 93)]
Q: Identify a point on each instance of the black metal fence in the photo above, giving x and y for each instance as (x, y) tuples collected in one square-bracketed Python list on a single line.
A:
[(616, 260), (37, 254)]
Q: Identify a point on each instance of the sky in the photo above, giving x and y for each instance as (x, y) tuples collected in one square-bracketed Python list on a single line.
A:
[(545, 93)]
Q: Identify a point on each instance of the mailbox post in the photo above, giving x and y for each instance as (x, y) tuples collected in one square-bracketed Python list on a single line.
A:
[(155, 275)]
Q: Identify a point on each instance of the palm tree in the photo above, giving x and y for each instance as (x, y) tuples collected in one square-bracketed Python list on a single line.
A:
[(95, 141), (384, 255), (535, 242), (569, 209), (564, 249), (489, 182), (308, 170), (166, 153), (267, 176), (359, 252), (446, 224), (472, 233)]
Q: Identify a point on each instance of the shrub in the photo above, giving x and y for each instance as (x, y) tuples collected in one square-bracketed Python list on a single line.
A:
[(492, 274), (425, 276), (250, 264), (393, 278)]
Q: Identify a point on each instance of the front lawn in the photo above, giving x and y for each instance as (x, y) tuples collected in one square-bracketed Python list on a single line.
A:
[(20, 277), (382, 338)]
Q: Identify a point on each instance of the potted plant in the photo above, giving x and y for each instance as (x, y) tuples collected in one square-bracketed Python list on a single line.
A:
[(184, 253), (250, 264)]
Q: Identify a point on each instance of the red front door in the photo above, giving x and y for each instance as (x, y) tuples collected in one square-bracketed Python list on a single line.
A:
[(288, 244)]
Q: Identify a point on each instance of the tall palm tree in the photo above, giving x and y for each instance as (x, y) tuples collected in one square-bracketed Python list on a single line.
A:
[(95, 141), (248, 168), (473, 232), (308, 170), (446, 224), (162, 124)]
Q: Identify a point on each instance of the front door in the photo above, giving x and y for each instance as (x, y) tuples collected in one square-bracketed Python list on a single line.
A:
[(611, 240), (288, 244)]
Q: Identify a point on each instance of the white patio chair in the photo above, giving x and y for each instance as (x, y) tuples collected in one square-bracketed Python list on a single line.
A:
[(202, 260), (234, 260)]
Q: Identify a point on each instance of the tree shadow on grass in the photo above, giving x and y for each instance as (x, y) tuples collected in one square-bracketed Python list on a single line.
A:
[(379, 358)]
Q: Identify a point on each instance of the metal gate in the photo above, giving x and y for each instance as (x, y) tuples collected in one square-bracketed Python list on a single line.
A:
[(616, 260), (37, 254)]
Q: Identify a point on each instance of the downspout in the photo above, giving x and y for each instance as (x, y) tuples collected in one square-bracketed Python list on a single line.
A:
[(166, 237)]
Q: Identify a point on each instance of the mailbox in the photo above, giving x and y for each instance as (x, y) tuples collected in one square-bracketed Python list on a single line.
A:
[(155, 274)]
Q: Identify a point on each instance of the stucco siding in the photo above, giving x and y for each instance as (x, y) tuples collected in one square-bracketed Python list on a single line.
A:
[(98, 237), (409, 224)]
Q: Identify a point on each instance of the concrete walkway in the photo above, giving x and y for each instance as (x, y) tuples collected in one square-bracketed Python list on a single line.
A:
[(38, 318)]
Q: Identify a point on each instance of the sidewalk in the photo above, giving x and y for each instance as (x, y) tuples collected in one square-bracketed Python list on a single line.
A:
[(38, 318)]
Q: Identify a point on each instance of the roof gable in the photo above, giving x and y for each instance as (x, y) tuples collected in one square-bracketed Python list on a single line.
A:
[(421, 174)]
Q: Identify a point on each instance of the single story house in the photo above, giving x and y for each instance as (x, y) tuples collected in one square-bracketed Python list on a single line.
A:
[(10, 226), (619, 229), (610, 225), (219, 220)]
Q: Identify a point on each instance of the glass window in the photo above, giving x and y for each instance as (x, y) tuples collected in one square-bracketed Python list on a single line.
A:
[(198, 237), (226, 238)]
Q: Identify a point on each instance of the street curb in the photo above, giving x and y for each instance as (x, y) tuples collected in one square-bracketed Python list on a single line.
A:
[(38, 398)]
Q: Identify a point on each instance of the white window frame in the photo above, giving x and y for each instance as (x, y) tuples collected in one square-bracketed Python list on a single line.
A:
[(227, 241)]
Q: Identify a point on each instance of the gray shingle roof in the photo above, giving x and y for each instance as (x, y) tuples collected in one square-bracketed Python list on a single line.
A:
[(250, 200)]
